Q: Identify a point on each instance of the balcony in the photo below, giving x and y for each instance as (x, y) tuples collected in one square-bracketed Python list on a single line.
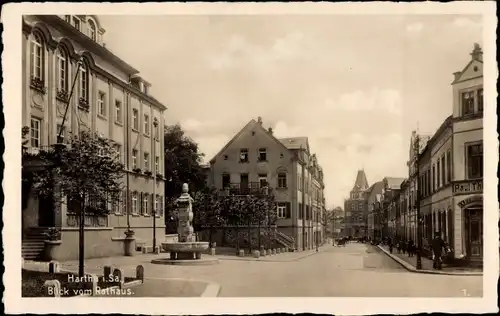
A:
[(32, 157), (252, 188)]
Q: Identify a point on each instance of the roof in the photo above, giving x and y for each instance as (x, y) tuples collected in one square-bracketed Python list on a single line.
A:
[(377, 188), (252, 123), (394, 183), (361, 182), (295, 142)]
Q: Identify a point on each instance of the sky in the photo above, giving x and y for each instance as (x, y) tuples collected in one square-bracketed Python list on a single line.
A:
[(355, 85)]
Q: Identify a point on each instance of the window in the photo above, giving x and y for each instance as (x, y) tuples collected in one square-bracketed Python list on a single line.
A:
[(118, 150), (92, 30), (301, 211), (134, 202), (145, 209), (76, 23), (282, 155), (263, 180), (157, 210), (146, 161), (135, 119), (157, 164), (443, 171), (226, 180), (282, 180), (448, 166), (226, 157), (243, 155), (134, 159), (467, 103), (146, 124), (262, 154), (84, 82), (61, 133), (433, 178), (62, 70), (35, 132), (101, 104), (474, 161), (117, 204), (429, 182), (480, 100), (438, 175), (67, 18), (145, 89), (157, 130), (37, 57), (118, 111)]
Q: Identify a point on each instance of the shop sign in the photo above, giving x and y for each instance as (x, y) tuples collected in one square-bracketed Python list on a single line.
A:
[(466, 187), (472, 199)]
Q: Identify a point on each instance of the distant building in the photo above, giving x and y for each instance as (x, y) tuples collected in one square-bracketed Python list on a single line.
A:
[(373, 197), (254, 158), (390, 206), (356, 208)]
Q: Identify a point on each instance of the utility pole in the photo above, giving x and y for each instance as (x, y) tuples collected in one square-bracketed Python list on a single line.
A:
[(417, 201)]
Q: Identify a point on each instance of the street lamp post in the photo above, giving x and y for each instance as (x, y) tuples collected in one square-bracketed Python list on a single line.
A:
[(417, 202), (155, 131)]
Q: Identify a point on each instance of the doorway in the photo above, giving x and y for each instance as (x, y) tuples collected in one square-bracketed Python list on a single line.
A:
[(474, 233), (46, 216)]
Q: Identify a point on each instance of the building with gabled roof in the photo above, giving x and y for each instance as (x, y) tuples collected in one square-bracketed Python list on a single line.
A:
[(255, 159)]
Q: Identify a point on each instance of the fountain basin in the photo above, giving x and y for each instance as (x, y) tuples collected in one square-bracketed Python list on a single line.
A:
[(185, 253), (194, 246)]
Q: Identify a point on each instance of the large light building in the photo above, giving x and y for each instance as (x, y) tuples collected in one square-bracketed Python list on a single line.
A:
[(109, 98), (451, 169), (467, 169), (254, 159), (356, 207)]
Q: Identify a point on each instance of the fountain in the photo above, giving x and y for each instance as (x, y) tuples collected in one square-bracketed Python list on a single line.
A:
[(187, 251)]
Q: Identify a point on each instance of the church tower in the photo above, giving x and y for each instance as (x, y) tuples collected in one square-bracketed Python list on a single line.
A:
[(356, 207)]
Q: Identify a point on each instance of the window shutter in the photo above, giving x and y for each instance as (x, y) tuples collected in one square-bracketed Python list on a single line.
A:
[(129, 201), (288, 213), (141, 211)]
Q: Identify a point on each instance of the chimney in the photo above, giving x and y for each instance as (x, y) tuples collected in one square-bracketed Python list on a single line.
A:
[(477, 52), (259, 120), (270, 130), (457, 75)]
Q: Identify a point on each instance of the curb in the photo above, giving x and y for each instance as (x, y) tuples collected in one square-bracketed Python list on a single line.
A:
[(261, 259), (411, 268)]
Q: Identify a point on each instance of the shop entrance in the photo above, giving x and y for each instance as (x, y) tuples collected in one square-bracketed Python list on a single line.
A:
[(474, 233)]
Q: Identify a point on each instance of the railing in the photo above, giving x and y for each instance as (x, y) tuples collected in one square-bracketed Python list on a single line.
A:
[(73, 220), (252, 188), (33, 151)]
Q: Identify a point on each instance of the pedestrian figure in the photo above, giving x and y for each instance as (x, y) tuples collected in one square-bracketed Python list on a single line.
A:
[(403, 247), (411, 248), (398, 245), (437, 247), (389, 242)]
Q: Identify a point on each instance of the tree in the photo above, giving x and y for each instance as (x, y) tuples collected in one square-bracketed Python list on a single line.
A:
[(207, 211), (182, 165), (232, 208), (87, 173)]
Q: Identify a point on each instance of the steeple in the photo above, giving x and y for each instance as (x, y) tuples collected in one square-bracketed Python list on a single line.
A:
[(361, 183)]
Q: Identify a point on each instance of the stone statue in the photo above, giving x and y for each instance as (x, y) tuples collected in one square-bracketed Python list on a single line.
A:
[(185, 216)]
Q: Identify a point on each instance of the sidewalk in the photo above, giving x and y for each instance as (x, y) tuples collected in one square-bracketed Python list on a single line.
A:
[(410, 264)]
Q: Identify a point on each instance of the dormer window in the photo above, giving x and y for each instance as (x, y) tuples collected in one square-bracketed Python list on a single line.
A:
[(92, 30), (145, 89), (67, 18), (467, 103)]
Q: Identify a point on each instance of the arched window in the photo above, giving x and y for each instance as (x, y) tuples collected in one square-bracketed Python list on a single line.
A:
[(37, 57), (92, 30), (84, 81), (62, 69)]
